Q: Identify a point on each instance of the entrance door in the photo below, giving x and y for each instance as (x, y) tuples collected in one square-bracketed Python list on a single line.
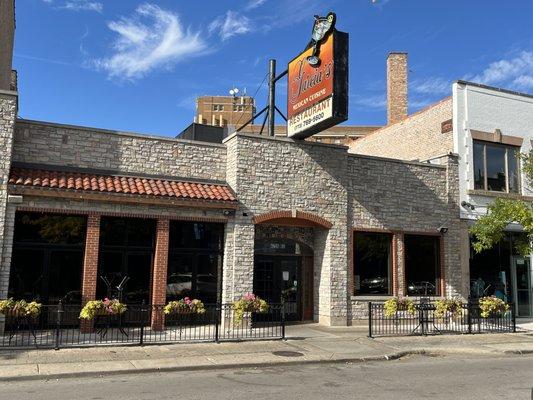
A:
[(277, 277), (522, 290)]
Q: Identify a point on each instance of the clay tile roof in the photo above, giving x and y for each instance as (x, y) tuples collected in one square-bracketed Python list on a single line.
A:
[(90, 182)]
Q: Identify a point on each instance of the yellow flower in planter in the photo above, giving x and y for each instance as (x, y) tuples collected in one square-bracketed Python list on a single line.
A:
[(492, 306), (396, 304)]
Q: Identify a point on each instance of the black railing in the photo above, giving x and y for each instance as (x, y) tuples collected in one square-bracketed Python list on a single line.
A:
[(424, 320), (59, 326)]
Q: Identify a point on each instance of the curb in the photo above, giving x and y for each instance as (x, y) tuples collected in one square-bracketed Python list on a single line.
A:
[(386, 357), (213, 367)]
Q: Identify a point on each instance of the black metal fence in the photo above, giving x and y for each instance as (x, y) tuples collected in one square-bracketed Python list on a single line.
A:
[(426, 321), (59, 326)]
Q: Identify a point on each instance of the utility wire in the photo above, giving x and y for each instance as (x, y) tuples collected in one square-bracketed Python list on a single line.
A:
[(255, 94)]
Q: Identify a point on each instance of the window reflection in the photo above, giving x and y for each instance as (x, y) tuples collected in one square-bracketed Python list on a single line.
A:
[(195, 260), (372, 263), (422, 264)]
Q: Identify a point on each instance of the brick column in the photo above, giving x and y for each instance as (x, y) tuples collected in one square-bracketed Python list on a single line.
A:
[(159, 273), (90, 265)]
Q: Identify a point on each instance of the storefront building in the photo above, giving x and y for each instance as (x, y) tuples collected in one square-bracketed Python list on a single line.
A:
[(90, 213), (325, 229), (488, 128)]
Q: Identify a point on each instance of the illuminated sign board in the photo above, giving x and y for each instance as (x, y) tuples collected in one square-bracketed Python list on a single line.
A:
[(318, 83)]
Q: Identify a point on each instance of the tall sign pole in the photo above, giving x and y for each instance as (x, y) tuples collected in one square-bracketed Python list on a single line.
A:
[(317, 84), (271, 97)]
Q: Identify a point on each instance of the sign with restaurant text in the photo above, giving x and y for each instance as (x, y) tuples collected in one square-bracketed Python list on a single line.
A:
[(318, 86)]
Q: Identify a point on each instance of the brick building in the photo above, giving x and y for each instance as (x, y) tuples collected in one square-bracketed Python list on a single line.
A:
[(487, 128), (224, 110), (325, 228)]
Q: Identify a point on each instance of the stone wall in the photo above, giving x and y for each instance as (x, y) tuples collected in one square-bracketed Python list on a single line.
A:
[(64, 145), (279, 174), (8, 113), (418, 137)]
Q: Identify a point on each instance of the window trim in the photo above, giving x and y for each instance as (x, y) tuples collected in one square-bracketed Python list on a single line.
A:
[(506, 166), (440, 289), (392, 263)]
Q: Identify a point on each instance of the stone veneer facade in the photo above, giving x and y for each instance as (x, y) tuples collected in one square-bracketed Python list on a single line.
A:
[(323, 193)]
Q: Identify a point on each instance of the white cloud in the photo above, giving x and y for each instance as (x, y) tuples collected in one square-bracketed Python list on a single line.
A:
[(372, 102), (153, 38), (431, 86), (78, 5), (252, 4), (524, 81), (83, 5), (516, 72), (231, 24)]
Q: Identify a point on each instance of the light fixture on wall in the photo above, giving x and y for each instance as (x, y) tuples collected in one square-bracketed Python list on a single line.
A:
[(442, 229), (468, 205)]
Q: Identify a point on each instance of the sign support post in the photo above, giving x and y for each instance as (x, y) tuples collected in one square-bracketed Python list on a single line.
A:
[(271, 97)]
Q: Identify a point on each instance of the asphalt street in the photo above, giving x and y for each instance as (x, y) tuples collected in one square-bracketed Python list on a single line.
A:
[(419, 377)]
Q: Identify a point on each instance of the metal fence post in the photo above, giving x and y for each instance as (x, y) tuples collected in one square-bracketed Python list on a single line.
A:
[(58, 324), (369, 319), (218, 318), (283, 318), (513, 317), (143, 313), (421, 319), (469, 315)]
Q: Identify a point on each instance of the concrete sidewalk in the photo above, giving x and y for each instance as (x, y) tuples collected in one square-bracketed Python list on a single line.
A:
[(308, 343)]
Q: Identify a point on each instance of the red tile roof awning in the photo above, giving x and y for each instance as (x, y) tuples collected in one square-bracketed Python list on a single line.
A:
[(116, 184)]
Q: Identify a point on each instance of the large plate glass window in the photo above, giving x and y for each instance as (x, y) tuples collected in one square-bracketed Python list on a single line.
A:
[(422, 264), (372, 263)]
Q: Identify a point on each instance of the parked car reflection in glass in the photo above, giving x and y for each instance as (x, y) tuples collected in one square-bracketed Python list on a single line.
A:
[(376, 285), (179, 286), (422, 288)]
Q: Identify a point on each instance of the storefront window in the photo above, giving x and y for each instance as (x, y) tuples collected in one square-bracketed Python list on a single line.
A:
[(372, 263), (47, 258), (126, 251), (195, 260), (422, 264)]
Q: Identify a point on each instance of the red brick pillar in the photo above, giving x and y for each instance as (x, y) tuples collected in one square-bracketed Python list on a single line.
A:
[(159, 274), (90, 265)]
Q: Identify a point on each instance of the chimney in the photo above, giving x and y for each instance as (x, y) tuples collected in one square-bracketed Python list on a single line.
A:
[(7, 36), (396, 87)]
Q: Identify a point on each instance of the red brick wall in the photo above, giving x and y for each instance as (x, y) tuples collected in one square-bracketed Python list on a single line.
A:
[(90, 261), (90, 265), (159, 273)]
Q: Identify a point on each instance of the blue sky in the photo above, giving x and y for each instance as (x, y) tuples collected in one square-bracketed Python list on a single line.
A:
[(138, 65)]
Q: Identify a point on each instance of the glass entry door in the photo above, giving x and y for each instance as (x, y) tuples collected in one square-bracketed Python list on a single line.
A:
[(522, 289), (277, 277)]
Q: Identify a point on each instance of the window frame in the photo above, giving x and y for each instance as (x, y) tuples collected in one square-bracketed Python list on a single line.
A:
[(439, 270), (391, 264), (506, 164)]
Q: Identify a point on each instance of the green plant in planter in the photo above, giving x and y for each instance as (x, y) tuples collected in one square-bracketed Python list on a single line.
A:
[(104, 307), (249, 303), (20, 308), (492, 306), (396, 304), (444, 306), (185, 306), (6, 306)]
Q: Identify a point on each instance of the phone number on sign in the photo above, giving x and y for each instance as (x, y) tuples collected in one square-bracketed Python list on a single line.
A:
[(309, 121)]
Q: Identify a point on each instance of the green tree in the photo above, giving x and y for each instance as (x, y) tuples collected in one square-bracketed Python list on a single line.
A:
[(490, 228)]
